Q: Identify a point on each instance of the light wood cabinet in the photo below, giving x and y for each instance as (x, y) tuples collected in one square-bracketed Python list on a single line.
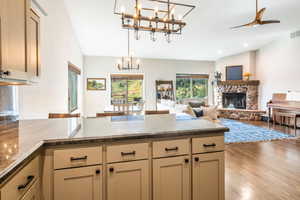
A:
[(78, 183), (13, 19), (128, 180), (33, 45), (33, 193), (20, 183), (208, 176), (171, 178)]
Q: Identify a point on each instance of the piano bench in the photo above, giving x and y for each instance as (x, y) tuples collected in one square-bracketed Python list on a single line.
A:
[(286, 115)]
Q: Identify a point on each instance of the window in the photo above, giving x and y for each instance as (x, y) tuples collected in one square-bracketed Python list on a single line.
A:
[(73, 87), (191, 86), (126, 88)]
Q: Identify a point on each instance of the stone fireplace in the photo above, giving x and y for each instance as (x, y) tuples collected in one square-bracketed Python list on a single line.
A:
[(238, 91), (238, 99)]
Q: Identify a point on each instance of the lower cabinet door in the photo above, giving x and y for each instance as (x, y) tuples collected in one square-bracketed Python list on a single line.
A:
[(208, 176), (83, 183), (33, 193), (128, 181), (171, 178)]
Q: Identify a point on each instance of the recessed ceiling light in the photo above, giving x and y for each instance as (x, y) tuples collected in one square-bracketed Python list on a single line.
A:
[(220, 52), (245, 44)]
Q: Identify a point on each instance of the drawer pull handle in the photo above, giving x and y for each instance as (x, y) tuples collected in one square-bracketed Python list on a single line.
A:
[(186, 160), (171, 149), (29, 180), (209, 145), (78, 158), (98, 171), (196, 159), (111, 169), (128, 153)]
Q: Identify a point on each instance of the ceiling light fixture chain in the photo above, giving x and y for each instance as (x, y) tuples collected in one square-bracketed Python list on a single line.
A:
[(127, 63)]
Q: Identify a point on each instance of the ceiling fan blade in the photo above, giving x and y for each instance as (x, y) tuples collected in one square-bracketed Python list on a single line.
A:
[(270, 21), (260, 14), (249, 24)]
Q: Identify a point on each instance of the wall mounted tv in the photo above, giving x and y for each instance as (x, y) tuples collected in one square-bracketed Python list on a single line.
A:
[(234, 73)]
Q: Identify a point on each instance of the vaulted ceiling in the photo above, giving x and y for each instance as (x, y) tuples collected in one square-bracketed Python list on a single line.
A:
[(206, 37)]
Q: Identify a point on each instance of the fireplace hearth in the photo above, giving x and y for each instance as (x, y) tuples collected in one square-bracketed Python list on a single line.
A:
[(234, 100)]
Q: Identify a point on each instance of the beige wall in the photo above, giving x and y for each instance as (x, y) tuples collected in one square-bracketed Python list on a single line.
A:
[(246, 59), (58, 46), (153, 69), (278, 68)]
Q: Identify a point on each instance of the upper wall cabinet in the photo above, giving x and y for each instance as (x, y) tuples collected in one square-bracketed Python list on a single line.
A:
[(33, 45), (19, 40)]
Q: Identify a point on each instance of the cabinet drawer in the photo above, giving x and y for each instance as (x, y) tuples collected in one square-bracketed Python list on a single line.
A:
[(78, 157), (22, 181), (208, 144), (170, 148), (119, 153)]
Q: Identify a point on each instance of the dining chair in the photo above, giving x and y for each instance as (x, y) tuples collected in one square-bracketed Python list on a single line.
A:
[(110, 114), (63, 115), (156, 112)]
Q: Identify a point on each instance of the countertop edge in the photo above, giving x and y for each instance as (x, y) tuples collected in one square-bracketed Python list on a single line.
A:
[(53, 142)]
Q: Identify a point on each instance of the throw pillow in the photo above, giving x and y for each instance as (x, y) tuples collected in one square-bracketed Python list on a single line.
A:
[(189, 110), (210, 112), (198, 112)]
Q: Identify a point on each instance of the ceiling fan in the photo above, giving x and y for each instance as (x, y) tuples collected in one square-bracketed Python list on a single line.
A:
[(258, 19)]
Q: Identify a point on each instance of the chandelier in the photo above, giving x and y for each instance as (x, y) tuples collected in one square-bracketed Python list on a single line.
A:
[(128, 63), (156, 16)]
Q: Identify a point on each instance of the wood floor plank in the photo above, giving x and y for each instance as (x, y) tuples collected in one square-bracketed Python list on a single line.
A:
[(264, 170)]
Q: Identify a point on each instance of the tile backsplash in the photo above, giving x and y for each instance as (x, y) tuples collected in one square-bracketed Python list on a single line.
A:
[(7, 100)]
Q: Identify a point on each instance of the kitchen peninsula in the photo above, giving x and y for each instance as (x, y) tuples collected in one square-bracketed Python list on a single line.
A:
[(165, 157)]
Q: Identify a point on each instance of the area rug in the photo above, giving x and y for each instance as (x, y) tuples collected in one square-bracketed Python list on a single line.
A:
[(243, 133)]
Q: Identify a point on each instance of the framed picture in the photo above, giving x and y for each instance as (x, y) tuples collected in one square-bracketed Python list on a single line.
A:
[(96, 84)]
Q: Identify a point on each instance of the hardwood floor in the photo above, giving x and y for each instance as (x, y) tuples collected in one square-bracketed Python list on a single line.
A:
[(263, 171)]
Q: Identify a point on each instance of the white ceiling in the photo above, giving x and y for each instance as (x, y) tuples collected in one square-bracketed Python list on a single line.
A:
[(206, 37)]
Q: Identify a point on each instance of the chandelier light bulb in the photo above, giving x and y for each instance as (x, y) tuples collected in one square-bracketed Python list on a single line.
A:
[(139, 6), (173, 11), (123, 9)]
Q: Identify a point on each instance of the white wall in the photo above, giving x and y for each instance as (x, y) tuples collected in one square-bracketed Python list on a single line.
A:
[(246, 59), (58, 46), (278, 68), (153, 69)]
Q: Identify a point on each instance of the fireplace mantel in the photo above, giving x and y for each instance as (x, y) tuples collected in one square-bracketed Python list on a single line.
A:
[(239, 82)]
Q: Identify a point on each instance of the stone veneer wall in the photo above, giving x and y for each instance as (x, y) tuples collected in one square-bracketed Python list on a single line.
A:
[(248, 87)]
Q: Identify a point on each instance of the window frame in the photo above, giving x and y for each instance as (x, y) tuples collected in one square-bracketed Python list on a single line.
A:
[(126, 77), (192, 77), (77, 72)]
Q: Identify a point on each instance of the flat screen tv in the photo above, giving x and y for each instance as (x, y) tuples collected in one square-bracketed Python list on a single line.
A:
[(234, 73)]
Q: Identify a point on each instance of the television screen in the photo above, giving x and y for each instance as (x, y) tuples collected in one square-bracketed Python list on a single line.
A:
[(234, 73)]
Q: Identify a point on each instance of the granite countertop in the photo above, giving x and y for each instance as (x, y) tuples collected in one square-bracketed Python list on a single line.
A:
[(19, 140)]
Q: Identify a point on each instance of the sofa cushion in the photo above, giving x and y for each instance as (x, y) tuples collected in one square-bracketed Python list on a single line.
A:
[(195, 104)]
